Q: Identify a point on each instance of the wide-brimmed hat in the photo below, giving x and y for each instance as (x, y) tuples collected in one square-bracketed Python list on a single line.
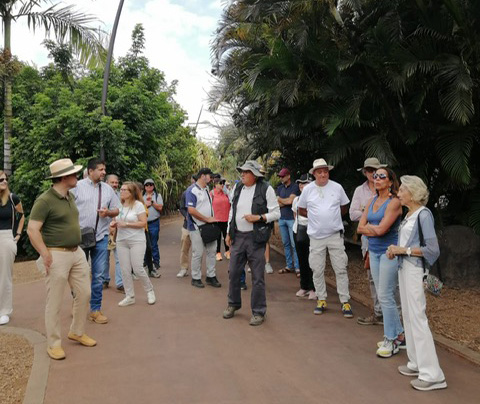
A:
[(253, 166), (62, 168), (320, 163), (149, 181), (373, 163), (304, 179)]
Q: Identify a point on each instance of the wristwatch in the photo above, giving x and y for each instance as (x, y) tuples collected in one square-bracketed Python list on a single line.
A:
[(409, 251)]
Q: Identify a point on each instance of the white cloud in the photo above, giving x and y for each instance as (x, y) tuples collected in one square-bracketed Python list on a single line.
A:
[(177, 42)]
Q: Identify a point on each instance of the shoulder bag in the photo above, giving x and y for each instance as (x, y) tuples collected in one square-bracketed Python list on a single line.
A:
[(89, 234), (209, 231)]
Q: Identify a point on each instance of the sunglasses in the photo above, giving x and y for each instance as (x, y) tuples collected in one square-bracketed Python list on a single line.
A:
[(3, 179), (149, 184), (380, 176)]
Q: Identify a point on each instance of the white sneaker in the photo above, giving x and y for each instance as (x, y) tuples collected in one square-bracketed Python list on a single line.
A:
[(388, 348), (151, 297), (312, 295), (302, 293), (183, 272), (268, 268), (127, 301), (4, 320)]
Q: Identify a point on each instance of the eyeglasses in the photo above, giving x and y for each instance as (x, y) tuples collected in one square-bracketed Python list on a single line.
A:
[(149, 184), (3, 179), (379, 176)]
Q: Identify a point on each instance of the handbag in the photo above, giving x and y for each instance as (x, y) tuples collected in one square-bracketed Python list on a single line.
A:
[(209, 232), (89, 234), (302, 236), (366, 260), (431, 283)]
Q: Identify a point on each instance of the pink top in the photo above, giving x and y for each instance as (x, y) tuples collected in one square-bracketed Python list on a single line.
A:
[(221, 205)]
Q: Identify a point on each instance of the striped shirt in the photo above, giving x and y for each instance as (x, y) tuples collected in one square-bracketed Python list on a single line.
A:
[(86, 198)]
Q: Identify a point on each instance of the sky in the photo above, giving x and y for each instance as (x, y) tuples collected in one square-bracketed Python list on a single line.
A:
[(177, 38)]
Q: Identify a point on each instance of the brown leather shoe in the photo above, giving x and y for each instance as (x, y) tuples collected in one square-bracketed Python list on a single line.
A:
[(56, 353), (98, 317), (83, 339)]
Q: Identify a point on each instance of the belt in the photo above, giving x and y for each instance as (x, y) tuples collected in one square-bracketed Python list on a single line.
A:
[(71, 249)]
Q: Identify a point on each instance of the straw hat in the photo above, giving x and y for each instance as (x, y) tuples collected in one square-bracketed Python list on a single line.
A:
[(320, 163), (62, 168), (373, 163)]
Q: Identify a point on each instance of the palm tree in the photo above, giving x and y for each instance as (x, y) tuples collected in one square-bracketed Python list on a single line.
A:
[(64, 23)]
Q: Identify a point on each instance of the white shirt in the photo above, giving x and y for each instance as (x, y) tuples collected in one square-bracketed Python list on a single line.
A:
[(244, 207), (299, 219), (130, 215), (406, 227), (199, 198), (86, 197), (323, 206), (360, 198)]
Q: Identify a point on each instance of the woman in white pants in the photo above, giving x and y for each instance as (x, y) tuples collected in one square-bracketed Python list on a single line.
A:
[(422, 357), (131, 242), (10, 230)]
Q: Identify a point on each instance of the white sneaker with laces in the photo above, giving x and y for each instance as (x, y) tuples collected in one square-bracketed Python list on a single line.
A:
[(268, 268), (127, 301), (388, 348), (183, 272), (151, 297), (4, 320)]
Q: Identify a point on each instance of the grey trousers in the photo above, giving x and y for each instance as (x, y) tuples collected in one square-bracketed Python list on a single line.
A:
[(244, 250), (198, 247)]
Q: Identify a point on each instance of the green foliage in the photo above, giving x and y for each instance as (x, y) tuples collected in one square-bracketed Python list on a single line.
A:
[(396, 79)]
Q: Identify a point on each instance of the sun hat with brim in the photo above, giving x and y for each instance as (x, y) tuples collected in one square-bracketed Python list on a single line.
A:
[(373, 163), (62, 168), (320, 163), (304, 179), (253, 166), (148, 181)]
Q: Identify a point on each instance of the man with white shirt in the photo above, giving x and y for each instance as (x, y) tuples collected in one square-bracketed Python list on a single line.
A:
[(200, 212), (324, 202), (97, 203), (254, 208)]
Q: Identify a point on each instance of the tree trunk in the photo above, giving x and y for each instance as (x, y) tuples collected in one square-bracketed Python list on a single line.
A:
[(7, 109)]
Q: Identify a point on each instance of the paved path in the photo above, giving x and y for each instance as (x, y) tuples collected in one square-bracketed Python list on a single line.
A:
[(181, 350)]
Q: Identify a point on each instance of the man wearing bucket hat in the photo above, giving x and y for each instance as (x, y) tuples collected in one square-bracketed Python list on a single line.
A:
[(254, 208), (324, 202), (54, 232), (361, 196)]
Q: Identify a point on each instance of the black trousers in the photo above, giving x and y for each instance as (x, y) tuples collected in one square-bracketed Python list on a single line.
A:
[(306, 274), (223, 228)]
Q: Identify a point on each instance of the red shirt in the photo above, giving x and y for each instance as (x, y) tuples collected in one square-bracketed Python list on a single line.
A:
[(221, 205)]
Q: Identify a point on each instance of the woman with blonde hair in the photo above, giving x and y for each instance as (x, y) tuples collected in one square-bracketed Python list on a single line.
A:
[(417, 244), (11, 226), (131, 242)]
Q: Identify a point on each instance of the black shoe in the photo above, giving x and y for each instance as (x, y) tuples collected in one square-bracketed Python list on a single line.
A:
[(198, 283), (243, 286), (213, 281), (120, 289), (105, 284)]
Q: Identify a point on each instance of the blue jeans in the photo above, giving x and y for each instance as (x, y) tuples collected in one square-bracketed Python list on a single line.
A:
[(385, 277), (286, 231), (99, 255), (153, 231)]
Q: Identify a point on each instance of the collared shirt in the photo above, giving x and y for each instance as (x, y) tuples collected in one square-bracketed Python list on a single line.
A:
[(323, 205), (153, 214), (59, 216), (244, 207), (198, 198), (360, 198), (86, 197), (285, 192)]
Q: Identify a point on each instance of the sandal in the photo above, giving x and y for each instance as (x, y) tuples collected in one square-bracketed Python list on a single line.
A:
[(284, 271)]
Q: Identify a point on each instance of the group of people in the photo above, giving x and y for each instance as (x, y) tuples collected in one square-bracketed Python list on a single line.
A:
[(310, 213)]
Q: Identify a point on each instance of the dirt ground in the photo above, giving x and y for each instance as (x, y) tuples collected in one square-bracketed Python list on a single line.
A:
[(449, 315)]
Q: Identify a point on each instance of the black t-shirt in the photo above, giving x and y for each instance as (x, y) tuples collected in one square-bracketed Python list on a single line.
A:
[(6, 213)]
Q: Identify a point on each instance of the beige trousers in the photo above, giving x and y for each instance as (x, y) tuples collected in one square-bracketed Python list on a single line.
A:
[(72, 268), (8, 250), (186, 243)]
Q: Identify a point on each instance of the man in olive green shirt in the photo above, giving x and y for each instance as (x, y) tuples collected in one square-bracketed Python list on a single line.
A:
[(54, 232)]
